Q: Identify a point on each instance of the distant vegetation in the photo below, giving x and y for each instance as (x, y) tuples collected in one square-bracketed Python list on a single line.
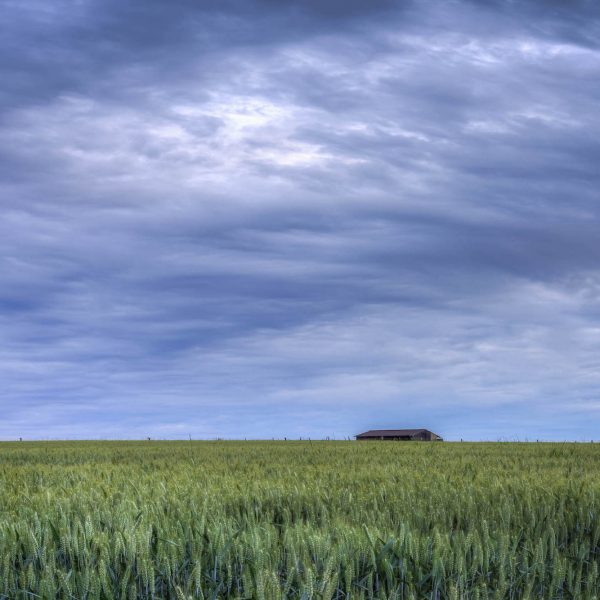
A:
[(299, 520)]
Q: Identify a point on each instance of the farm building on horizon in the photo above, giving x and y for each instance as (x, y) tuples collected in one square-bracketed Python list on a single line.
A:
[(416, 435)]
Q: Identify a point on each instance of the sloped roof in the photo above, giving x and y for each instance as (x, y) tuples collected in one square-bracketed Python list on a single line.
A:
[(390, 432)]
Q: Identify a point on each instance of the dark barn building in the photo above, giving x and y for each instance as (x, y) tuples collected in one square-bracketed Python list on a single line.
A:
[(416, 435)]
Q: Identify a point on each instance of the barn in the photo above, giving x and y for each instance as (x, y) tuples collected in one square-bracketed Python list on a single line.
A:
[(416, 435)]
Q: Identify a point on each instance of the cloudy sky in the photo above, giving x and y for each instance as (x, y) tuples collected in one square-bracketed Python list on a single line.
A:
[(285, 218)]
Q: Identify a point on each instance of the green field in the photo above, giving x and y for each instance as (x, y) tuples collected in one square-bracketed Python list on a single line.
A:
[(299, 520)]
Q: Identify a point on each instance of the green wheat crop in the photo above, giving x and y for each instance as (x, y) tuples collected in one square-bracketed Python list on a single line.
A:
[(327, 520)]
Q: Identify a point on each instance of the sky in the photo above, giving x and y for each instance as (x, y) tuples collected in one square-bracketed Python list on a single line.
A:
[(257, 219)]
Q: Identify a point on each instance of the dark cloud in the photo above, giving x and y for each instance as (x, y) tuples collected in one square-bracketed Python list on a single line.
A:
[(240, 218)]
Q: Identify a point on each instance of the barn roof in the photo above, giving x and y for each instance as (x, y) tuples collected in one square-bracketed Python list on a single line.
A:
[(391, 432)]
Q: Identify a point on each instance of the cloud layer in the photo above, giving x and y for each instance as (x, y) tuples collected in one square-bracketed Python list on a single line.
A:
[(258, 219)]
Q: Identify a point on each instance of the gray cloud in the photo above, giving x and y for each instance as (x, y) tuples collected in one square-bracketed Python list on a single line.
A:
[(257, 219)]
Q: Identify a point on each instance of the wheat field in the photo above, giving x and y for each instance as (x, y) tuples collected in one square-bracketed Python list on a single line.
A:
[(327, 520)]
